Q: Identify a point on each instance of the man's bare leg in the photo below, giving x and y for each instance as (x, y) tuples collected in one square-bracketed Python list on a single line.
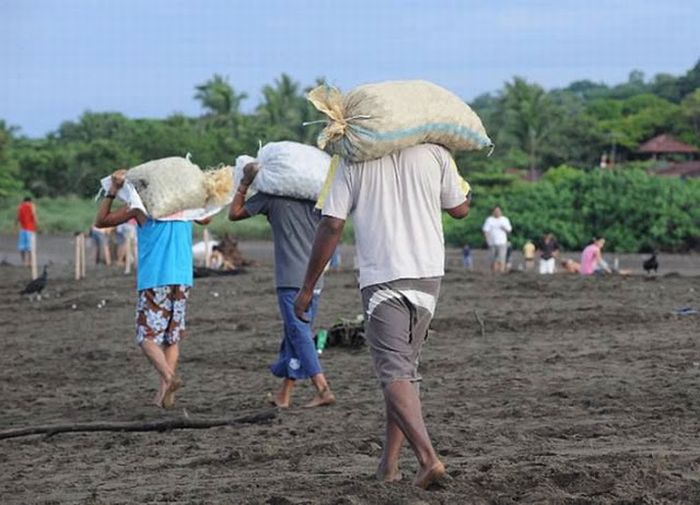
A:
[(283, 397), (402, 399), (388, 469), (324, 395), (172, 353), (156, 356), (107, 255)]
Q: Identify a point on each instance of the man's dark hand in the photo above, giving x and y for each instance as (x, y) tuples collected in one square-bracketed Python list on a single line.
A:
[(118, 178), (302, 303), (249, 173)]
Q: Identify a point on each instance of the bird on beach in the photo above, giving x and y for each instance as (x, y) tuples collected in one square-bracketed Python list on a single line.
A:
[(36, 286), (651, 264)]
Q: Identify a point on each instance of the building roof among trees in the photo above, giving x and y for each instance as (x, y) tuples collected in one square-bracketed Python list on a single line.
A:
[(685, 169), (666, 144)]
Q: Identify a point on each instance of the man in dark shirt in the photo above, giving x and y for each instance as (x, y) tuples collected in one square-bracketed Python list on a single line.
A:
[(293, 224), (549, 250)]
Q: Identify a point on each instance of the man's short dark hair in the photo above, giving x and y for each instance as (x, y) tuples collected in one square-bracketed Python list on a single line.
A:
[(27, 198)]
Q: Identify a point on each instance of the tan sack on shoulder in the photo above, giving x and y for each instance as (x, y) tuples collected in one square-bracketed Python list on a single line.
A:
[(378, 119), (175, 184)]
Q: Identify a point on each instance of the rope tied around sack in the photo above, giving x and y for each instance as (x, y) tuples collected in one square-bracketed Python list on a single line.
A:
[(329, 101)]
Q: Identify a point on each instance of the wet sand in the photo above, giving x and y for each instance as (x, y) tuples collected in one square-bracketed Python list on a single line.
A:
[(579, 391)]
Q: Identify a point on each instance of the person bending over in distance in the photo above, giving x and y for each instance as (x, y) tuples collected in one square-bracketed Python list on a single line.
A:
[(592, 261)]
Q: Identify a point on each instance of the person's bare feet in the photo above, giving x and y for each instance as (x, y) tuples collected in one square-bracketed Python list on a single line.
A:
[(169, 395), (322, 398), (429, 474), (278, 401), (386, 474)]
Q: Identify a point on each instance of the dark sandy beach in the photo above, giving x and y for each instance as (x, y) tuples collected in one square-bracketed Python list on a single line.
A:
[(579, 392)]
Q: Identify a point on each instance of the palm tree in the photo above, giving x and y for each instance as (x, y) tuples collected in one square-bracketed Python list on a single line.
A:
[(218, 97), (282, 109), (527, 112)]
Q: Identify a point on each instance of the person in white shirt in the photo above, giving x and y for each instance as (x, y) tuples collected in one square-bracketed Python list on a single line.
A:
[(496, 229), (396, 203)]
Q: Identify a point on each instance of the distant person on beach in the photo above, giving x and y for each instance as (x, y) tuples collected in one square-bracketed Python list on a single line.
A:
[(529, 255), (396, 203), (336, 261), (592, 261), (164, 279), (496, 229), (570, 266), (125, 235), (509, 256), (100, 241), (549, 251), (293, 223), (27, 222), (467, 260)]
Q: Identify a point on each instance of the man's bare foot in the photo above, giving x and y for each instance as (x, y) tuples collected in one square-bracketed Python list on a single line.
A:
[(323, 397), (169, 395), (429, 475), (386, 474), (277, 401)]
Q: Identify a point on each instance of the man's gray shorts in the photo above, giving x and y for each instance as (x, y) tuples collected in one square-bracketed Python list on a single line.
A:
[(397, 316), (499, 252)]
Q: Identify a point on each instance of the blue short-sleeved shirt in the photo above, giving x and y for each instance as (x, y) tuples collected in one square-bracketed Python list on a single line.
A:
[(165, 253)]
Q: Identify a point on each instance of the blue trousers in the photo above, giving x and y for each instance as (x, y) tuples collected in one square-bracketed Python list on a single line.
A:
[(297, 357)]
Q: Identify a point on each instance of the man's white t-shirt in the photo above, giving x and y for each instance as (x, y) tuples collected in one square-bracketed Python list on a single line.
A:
[(396, 203), (497, 229)]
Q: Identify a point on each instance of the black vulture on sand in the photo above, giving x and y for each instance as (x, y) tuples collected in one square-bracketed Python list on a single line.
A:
[(36, 286), (651, 264)]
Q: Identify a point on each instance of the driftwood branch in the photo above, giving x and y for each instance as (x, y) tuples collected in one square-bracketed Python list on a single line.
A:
[(481, 323), (160, 425)]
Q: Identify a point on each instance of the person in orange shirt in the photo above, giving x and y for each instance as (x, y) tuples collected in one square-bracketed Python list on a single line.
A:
[(27, 221)]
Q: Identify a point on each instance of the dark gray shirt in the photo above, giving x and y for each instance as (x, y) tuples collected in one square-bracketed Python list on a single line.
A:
[(294, 225)]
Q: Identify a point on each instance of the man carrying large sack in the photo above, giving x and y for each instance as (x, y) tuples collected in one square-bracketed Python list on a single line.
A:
[(396, 203), (293, 224)]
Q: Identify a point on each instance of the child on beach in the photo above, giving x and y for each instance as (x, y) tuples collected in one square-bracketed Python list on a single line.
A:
[(164, 279)]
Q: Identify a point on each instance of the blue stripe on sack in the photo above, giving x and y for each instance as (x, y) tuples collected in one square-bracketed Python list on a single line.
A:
[(451, 128)]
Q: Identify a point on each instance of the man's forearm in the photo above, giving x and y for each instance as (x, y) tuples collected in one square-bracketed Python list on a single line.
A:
[(103, 211), (237, 210), (326, 240)]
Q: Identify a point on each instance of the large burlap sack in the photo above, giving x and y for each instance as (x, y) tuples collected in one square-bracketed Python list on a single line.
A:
[(378, 119), (176, 188), (287, 169)]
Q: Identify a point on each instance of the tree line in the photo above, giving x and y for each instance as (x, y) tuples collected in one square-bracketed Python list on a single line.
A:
[(534, 130)]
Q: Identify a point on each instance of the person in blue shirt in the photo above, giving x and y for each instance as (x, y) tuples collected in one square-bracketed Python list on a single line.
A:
[(164, 279)]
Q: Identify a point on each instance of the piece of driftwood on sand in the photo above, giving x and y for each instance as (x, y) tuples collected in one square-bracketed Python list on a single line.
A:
[(159, 425)]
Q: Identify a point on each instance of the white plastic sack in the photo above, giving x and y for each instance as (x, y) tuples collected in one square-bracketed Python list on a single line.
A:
[(375, 120), (241, 162), (287, 169)]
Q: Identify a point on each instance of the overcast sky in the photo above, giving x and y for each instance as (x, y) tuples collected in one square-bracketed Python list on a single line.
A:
[(143, 58)]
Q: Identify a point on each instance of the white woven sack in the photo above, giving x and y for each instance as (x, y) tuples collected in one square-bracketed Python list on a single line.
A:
[(375, 120), (168, 185), (175, 189), (287, 169)]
